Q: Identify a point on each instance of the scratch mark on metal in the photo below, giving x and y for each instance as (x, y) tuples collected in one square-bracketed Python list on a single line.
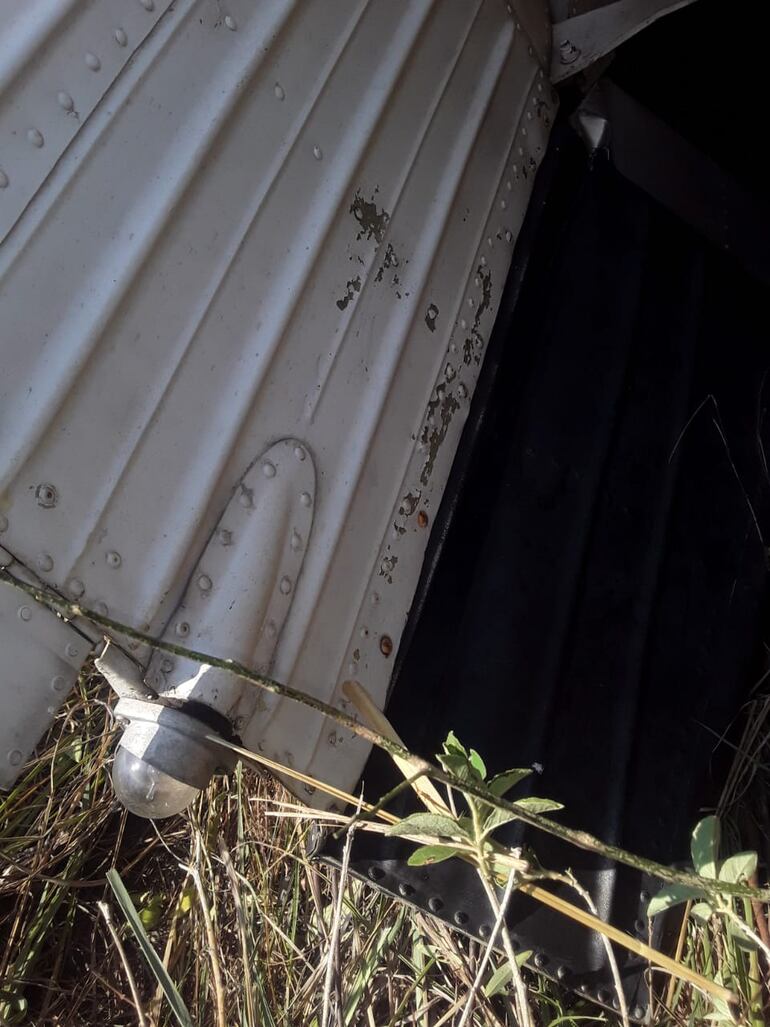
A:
[(474, 343), (441, 409)]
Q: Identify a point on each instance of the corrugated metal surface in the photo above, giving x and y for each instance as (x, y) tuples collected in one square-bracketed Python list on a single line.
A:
[(280, 220)]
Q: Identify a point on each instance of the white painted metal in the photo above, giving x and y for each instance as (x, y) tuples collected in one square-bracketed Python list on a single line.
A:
[(580, 40), (281, 221), (42, 656)]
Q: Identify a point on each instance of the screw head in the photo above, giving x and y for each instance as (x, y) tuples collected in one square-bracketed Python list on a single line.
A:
[(204, 583), (113, 558), (59, 683), (46, 496), (182, 629), (15, 756), (386, 645), (25, 613)]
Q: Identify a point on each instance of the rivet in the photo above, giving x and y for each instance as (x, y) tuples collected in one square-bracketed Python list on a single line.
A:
[(246, 497), (508, 235), (3, 179), (352, 669), (299, 452), (35, 136), (167, 665), (120, 37), (483, 261), (15, 756), (374, 598), (375, 873), (615, 1002), (268, 469), (489, 240), (364, 632), (93, 62), (462, 391), (561, 972), (3, 523), (477, 281), (45, 562), (521, 151), (230, 22), (603, 995), (644, 896), (65, 101), (306, 499), (471, 302), (71, 650), (540, 960), (638, 1013), (279, 91), (461, 918), (270, 629), (405, 890), (285, 585), (296, 541), (24, 613), (58, 683), (148, 5), (509, 185), (318, 153), (484, 930), (540, 87), (225, 537), (640, 927), (503, 204), (76, 588), (182, 629), (435, 904), (463, 323), (515, 169), (101, 609), (386, 645), (529, 115), (46, 496), (204, 583), (524, 131), (530, 51), (422, 519), (113, 558)]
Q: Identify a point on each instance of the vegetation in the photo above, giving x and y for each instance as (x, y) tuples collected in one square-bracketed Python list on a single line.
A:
[(221, 919)]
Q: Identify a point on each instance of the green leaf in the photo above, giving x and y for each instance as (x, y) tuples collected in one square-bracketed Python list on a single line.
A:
[(702, 911), (174, 999), (672, 895), (534, 805), (705, 847), (478, 764), (502, 783), (427, 854), (496, 819), (433, 824), (457, 765), (738, 938), (453, 745), (739, 867), (501, 978)]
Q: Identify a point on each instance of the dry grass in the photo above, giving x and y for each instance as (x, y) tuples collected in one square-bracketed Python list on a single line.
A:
[(241, 919)]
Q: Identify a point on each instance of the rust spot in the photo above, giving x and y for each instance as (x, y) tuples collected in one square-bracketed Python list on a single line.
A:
[(386, 645), (422, 519), (441, 409), (373, 222), (474, 344)]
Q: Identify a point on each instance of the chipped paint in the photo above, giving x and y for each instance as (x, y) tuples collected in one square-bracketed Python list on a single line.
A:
[(352, 286), (389, 261), (473, 346), (387, 566), (431, 314), (372, 221), (441, 409)]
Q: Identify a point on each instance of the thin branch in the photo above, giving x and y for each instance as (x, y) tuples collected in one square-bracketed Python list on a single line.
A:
[(104, 909)]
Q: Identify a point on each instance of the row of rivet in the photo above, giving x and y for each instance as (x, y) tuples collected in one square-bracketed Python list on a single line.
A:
[(34, 136), (435, 904)]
